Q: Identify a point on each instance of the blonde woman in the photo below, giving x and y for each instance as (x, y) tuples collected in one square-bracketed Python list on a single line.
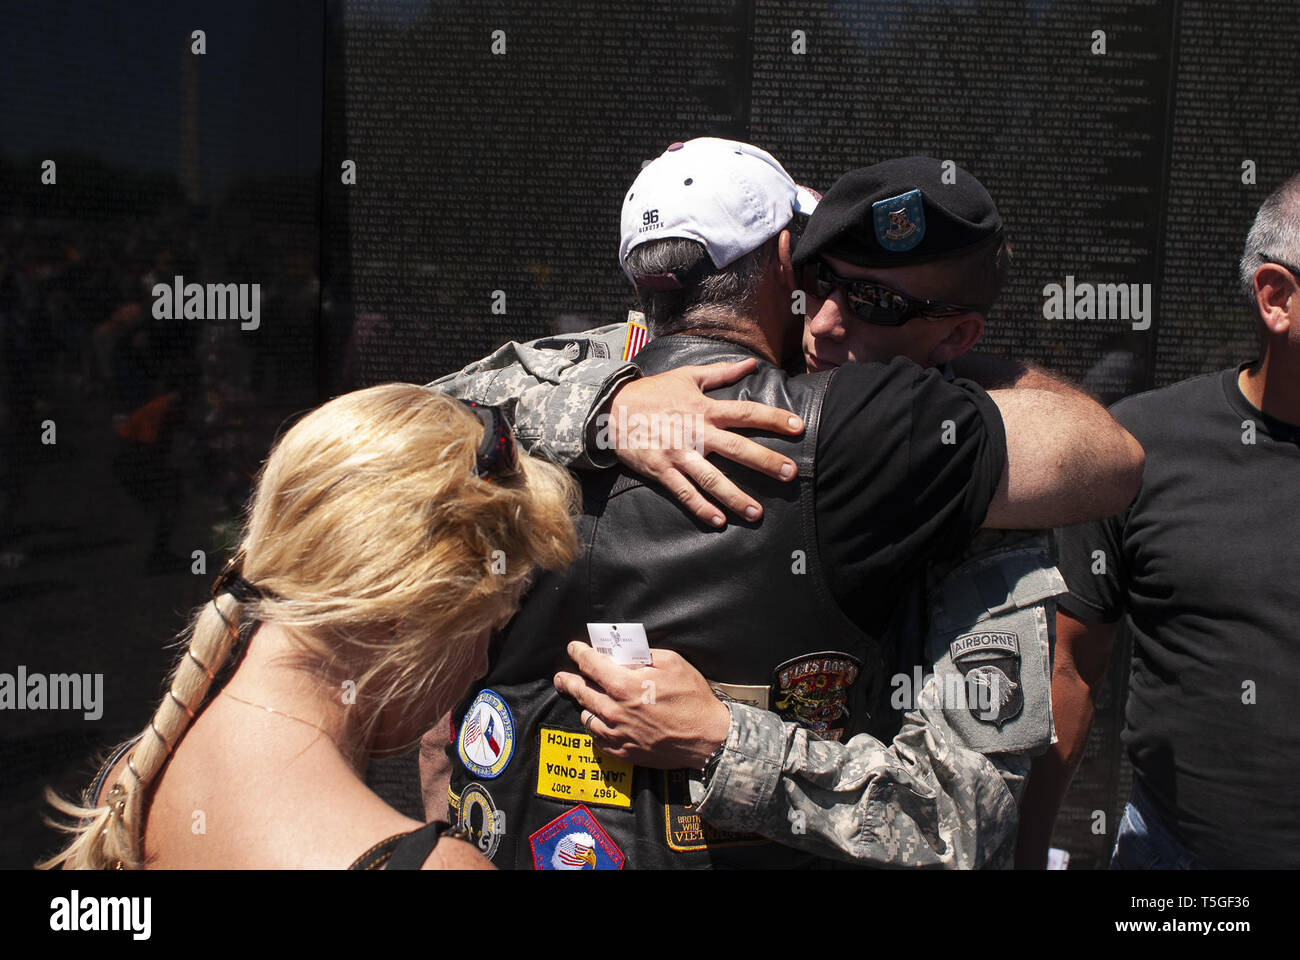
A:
[(357, 612)]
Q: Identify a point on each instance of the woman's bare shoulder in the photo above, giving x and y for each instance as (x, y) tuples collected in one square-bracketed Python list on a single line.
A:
[(453, 854)]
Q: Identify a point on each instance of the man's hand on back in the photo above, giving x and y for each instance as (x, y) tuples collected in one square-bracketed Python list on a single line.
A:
[(663, 427)]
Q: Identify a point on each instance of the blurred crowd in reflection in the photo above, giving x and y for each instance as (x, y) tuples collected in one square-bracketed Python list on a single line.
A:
[(165, 409)]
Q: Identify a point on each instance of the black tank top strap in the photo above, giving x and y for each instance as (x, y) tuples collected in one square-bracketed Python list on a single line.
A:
[(403, 851), (377, 856), (414, 848)]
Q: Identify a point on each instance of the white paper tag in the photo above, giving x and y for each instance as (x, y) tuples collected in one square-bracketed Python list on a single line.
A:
[(624, 643)]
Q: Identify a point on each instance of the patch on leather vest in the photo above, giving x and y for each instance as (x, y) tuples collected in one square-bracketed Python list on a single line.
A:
[(990, 662), (685, 830), (477, 813), (813, 691), (574, 841), (487, 736), (569, 767)]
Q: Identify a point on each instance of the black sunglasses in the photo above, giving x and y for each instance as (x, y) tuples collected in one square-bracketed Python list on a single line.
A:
[(498, 456), (876, 303)]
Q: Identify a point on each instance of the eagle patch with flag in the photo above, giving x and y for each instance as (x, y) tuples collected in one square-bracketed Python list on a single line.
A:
[(487, 735), (574, 841)]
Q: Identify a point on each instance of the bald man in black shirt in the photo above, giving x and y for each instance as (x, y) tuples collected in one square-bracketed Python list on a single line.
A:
[(1201, 569)]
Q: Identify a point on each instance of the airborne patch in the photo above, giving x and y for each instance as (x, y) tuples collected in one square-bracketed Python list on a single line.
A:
[(813, 691), (573, 350), (990, 662)]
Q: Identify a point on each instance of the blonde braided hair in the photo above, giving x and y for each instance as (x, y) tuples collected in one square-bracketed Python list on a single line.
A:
[(368, 514)]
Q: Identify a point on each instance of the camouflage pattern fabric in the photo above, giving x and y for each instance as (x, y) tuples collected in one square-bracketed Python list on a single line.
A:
[(945, 793), (552, 390)]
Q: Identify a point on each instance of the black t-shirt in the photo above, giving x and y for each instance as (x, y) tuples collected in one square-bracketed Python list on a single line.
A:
[(907, 465), (1203, 568)]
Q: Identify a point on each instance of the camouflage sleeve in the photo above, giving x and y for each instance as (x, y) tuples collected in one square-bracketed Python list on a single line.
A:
[(552, 390), (923, 801), (945, 792)]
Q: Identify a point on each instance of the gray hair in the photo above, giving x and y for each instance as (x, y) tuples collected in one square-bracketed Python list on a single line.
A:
[(719, 300), (1275, 233), (722, 299)]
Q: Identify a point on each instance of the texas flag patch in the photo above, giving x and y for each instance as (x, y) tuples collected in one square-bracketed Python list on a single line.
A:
[(574, 841), (487, 735)]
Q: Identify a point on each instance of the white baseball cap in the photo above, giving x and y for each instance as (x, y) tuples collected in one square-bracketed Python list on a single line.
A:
[(731, 197)]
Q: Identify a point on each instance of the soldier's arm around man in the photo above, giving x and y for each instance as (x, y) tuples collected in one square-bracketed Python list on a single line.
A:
[(551, 389), (558, 393)]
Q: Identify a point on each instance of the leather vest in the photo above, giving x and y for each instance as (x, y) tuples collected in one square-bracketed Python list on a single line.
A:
[(747, 605)]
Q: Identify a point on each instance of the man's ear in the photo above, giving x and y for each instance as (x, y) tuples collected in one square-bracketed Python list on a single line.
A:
[(784, 262), (965, 333), (1276, 296)]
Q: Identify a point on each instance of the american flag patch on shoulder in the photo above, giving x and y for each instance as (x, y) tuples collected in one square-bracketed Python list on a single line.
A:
[(637, 335)]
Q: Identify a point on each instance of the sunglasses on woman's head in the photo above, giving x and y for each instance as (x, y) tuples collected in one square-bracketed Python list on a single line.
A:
[(873, 302), (497, 456)]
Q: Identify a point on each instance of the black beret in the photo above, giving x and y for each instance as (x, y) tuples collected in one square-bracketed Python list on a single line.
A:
[(899, 213)]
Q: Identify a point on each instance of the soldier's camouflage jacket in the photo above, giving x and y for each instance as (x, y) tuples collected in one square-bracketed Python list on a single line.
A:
[(942, 787)]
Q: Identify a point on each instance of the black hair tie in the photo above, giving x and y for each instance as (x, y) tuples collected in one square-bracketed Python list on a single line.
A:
[(232, 582)]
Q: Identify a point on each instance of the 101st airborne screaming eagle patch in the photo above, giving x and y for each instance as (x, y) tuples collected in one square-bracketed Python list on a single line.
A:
[(990, 662)]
